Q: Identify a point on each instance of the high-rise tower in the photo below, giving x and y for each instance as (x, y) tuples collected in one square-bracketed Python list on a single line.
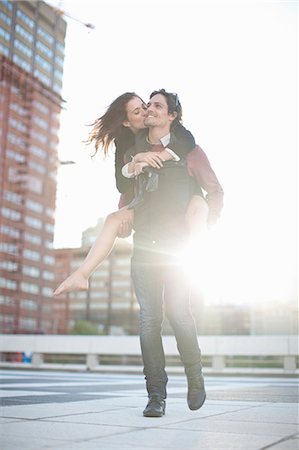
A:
[(31, 58)]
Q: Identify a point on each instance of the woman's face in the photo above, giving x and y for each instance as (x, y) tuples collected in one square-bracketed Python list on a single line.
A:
[(135, 114)]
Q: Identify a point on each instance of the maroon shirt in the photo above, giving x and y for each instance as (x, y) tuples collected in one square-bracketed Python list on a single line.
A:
[(200, 168)]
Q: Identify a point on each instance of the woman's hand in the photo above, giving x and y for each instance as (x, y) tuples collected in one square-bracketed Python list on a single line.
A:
[(139, 167), (153, 159), (126, 225), (75, 282)]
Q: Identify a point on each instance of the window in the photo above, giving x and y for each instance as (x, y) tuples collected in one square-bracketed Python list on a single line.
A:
[(34, 206), (33, 222), (44, 49), (41, 122), (9, 231), (82, 296), (4, 18), (59, 60), (19, 109), (34, 184), (17, 125), (48, 275), (58, 74), (39, 136), (21, 62), (31, 271), (33, 238), (8, 284), (10, 266), (30, 288), (50, 212), (11, 214), (48, 244), (43, 63), (40, 106), (37, 151), (57, 87), (38, 167), (6, 300), (60, 47), (18, 157), (15, 90), (47, 292), (31, 254), (13, 197), (4, 34), (16, 140), (54, 130), (7, 4), (3, 49), (46, 325), (26, 19), (28, 324), (50, 260), (49, 227), (23, 48), (28, 304), (46, 80), (25, 34), (45, 35)]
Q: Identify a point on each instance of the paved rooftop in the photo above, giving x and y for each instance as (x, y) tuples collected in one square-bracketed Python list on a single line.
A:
[(72, 411)]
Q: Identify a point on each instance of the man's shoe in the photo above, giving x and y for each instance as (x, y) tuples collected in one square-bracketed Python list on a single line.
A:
[(196, 392), (155, 407)]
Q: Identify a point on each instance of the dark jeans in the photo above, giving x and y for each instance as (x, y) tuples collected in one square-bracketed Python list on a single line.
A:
[(157, 278)]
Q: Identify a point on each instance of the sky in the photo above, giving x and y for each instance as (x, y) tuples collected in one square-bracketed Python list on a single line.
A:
[(234, 67)]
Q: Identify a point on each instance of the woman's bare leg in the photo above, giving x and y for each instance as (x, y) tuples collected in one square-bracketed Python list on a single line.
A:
[(116, 221)]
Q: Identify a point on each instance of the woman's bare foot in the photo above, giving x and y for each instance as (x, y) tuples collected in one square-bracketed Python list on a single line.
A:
[(75, 282)]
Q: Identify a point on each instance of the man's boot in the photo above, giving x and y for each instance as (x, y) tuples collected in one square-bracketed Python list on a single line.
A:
[(196, 390), (155, 407)]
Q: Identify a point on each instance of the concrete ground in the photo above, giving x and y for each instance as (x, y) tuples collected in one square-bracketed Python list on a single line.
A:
[(70, 411)]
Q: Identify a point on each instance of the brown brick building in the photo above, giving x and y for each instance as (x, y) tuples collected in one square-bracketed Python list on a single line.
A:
[(110, 302), (31, 58)]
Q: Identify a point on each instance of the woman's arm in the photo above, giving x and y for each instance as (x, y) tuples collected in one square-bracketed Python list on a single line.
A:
[(181, 140)]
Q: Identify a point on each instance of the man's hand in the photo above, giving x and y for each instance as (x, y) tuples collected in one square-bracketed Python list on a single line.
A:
[(153, 159)]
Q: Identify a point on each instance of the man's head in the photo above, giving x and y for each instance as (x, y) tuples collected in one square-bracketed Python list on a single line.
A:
[(164, 110)]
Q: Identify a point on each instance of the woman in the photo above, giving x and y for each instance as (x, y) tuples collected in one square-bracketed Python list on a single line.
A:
[(123, 119)]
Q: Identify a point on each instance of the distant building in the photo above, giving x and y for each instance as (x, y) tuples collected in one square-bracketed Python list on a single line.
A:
[(274, 318), (31, 60), (62, 268), (109, 302)]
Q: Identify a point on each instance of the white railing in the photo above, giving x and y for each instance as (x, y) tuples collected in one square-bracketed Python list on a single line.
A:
[(93, 347)]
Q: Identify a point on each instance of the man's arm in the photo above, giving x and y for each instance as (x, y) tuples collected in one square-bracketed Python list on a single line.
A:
[(200, 168), (150, 158)]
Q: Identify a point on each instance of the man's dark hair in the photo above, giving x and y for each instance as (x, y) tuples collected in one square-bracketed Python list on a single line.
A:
[(173, 103)]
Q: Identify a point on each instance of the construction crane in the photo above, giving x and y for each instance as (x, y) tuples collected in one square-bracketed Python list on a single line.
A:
[(61, 12)]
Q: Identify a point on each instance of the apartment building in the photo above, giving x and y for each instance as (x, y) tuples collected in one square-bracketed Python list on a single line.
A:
[(31, 58), (109, 303)]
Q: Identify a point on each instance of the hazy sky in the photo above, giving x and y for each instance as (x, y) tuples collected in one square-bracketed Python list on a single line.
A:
[(234, 66)]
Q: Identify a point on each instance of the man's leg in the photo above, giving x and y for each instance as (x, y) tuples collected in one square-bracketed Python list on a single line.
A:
[(148, 289), (177, 303)]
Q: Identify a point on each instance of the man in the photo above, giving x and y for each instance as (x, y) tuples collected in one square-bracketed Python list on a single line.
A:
[(160, 235)]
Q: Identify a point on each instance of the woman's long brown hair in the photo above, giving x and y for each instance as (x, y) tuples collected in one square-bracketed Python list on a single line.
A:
[(109, 126)]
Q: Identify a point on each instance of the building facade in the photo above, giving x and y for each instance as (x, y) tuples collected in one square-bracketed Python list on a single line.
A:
[(109, 303), (31, 57)]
